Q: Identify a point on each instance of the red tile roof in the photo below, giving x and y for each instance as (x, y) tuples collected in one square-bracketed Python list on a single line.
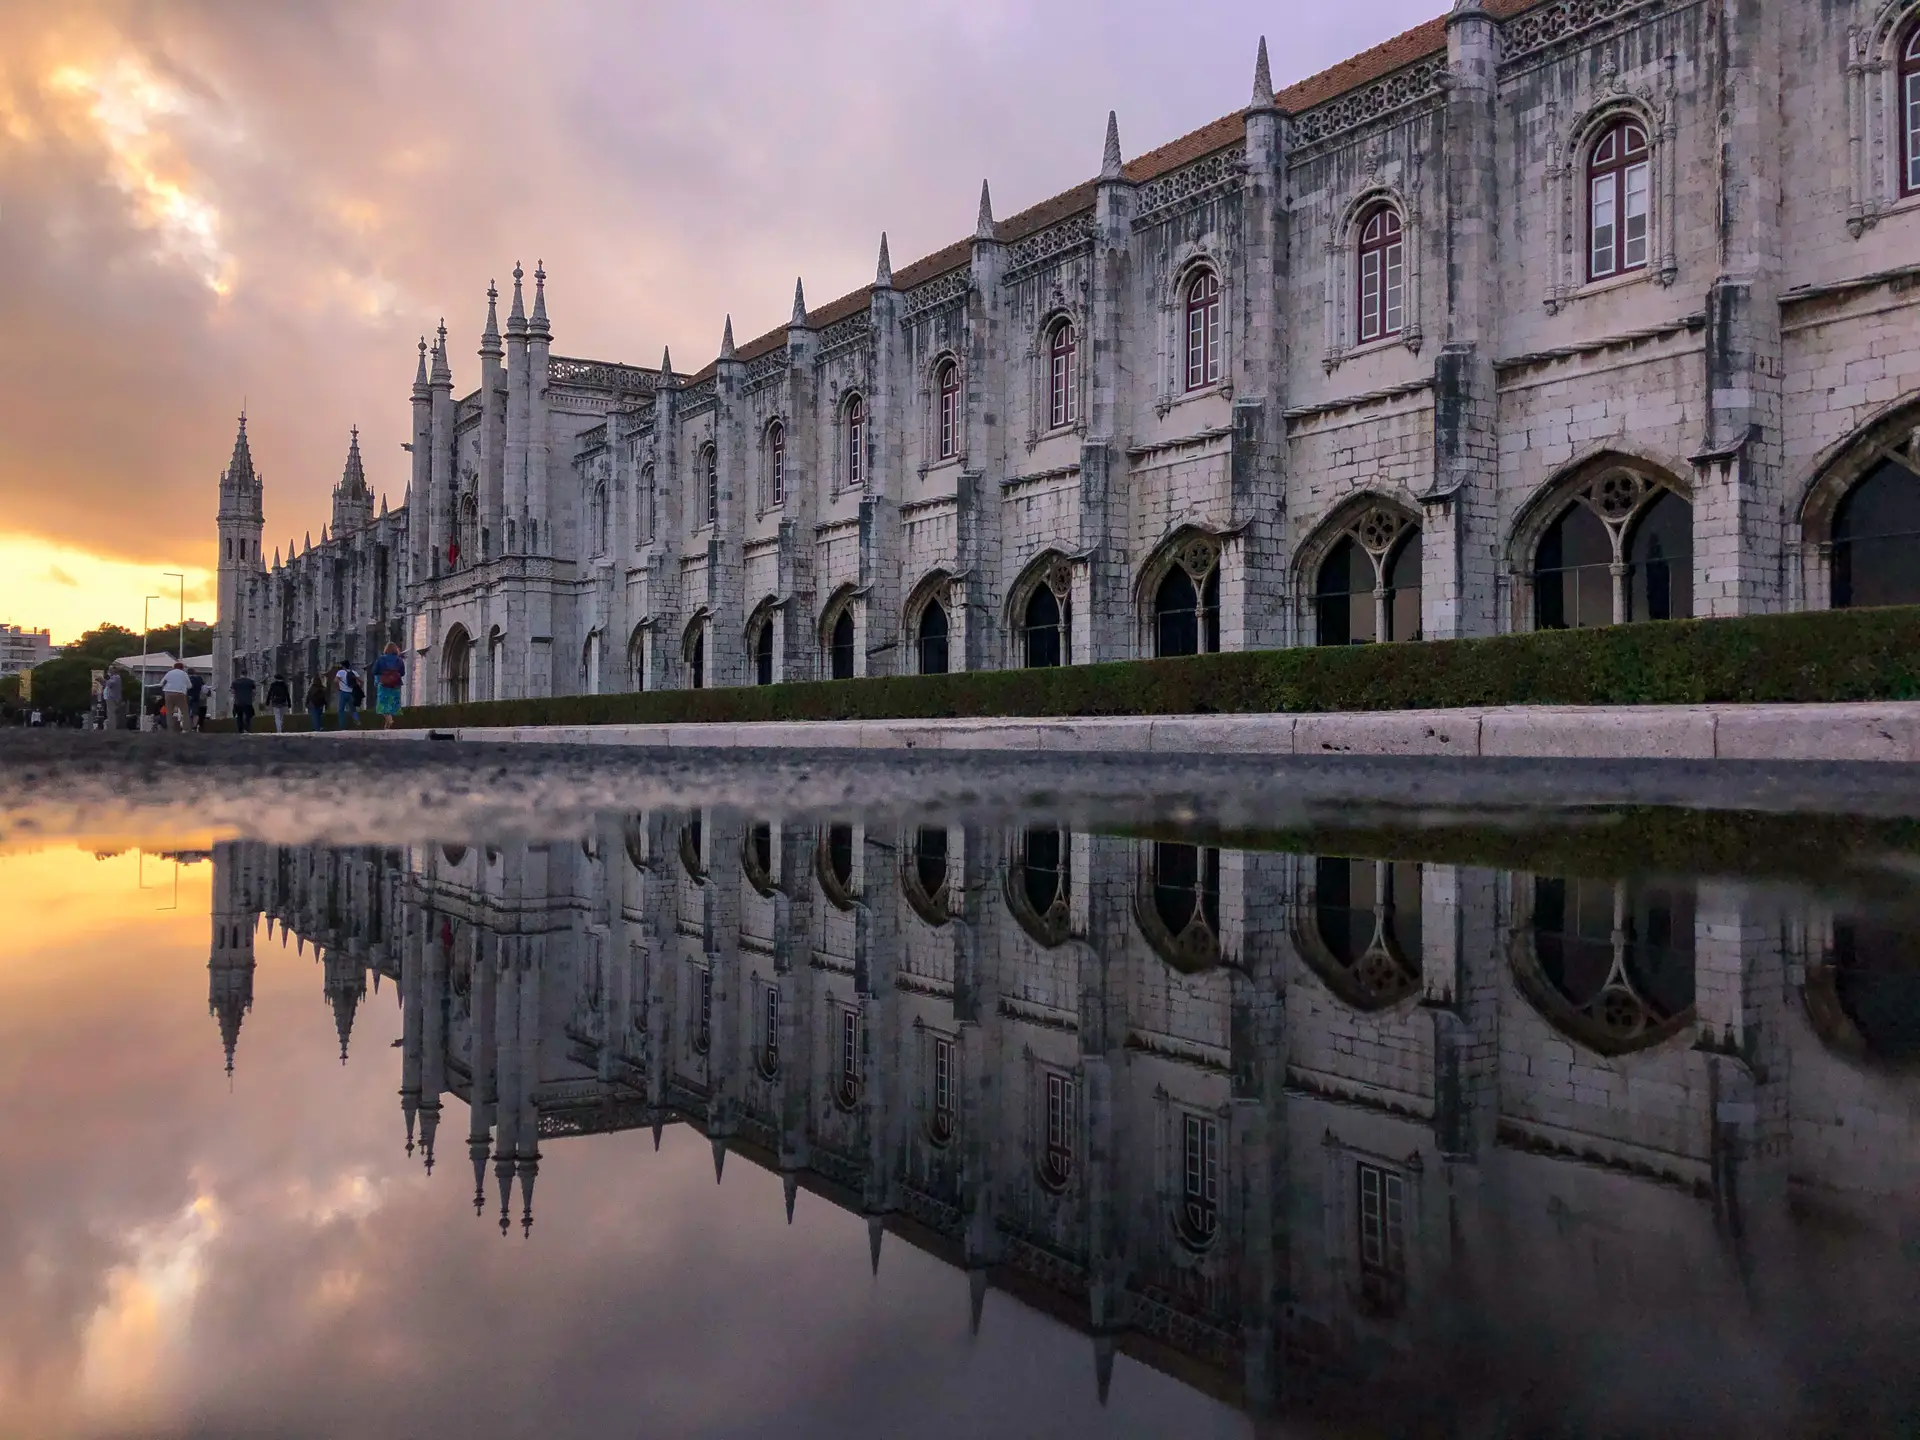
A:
[(1350, 74)]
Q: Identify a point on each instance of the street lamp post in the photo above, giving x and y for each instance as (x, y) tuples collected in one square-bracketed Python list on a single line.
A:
[(181, 653), (145, 612)]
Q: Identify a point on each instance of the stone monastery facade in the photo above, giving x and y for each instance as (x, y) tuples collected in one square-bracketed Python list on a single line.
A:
[(1236, 1114), (1541, 314)]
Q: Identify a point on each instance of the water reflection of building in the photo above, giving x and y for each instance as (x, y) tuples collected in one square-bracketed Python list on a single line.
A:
[(1237, 1113)]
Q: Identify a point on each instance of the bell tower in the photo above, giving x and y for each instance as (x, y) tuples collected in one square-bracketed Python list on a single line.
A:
[(241, 521), (230, 964)]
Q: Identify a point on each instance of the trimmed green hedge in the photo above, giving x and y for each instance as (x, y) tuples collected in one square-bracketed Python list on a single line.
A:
[(1825, 655)]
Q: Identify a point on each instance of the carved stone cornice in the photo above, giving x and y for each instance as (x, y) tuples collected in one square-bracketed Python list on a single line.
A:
[(938, 293), (1047, 247), (1189, 186), (1418, 85)]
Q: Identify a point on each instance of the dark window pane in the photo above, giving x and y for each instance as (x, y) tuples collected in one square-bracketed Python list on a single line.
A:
[(1176, 615), (842, 654), (1403, 590), (933, 639), (1660, 554), (1044, 622), (1876, 541)]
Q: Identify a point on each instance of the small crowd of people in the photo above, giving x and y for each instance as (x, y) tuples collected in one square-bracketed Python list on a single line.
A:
[(179, 703)]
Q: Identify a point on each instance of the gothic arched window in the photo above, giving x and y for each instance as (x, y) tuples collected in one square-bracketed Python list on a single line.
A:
[(1199, 1217), (703, 1016), (769, 1056), (1365, 936), (833, 865), (710, 472), (1876, 537), (637, 658), (840, 646), (1611, 962), (1368, 586), (649, 510), (1622, 550), (697, 658), (854, 418), (776, 465), (1186, 603), (947, 385), (944, 1111), (1060, 1121), (600, 518), (846, 1092), (1203, 330), (763, 653), (1619, 190), (458, 665), (1063, 394), (1045, 625), (1382, 274), (926, 875), (1910, 111), (1178, 906), (931, 639), (1040, 885)]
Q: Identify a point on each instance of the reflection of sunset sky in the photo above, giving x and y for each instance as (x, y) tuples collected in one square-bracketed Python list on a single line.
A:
[(179, 1256), (217, 203)]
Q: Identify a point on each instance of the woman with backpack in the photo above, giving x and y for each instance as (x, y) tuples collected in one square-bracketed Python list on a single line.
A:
[(317, 701), (389, 671)]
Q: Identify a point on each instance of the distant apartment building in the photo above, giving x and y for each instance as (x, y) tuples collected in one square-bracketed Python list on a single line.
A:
[(21, 650)]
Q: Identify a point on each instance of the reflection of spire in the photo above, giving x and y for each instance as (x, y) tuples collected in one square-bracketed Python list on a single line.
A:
[(344, 986), (976, 1298), (719, 1158), (1103, 1365), (529, 1169), (230, 963), (790, 1183), (503, 1172), (876, 1232), (477, 1151)]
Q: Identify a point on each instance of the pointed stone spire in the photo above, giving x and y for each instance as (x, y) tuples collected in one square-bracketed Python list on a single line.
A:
[(490, 337), (517, 316), (719, 1158), (538, 325), (790, 1187), (799, 316), (1103, 1365), (383, 504), (883, 273), (1110, 163), (876, 1232), (442, 372), (976, 1298), (420, 375), (983, 223), (353, 477), (325, 534), (477, 1152), (1262, 80), (726, 340), (666, 364), (240, 467), (276, 565)]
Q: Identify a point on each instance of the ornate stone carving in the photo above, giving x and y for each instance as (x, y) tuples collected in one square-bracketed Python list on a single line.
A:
[(1416, 85), (766, 369), (699, 397), (1191, 185), (855, 330), (1047, 247), (1546, 26), (598, 375), (938, 293)]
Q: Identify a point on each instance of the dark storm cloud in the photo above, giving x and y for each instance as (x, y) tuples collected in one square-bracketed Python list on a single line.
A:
[(347, 172)]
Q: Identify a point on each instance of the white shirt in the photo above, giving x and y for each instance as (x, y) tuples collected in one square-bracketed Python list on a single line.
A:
[(176, 682), (343, 680)]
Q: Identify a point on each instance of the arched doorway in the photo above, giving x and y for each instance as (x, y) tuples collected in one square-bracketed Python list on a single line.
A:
[(840, 646), (457, 665), (930, 643), (763, 652), (694, 649), (1366, 577)]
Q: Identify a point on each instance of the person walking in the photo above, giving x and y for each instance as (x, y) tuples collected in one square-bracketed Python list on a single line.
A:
[(176, 691), (317, 701), (242, 703), (196, 698), (279, 701), (343, 682), (111, 697), (389, 672)]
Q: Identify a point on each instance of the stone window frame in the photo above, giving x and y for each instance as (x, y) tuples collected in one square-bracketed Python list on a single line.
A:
[(1379, 522), (946, 382), (851, 465), (936, 584), (708, 458), (942, 1123), (600, 519), (1183, 1119), (639, 643), (841, 894), (1392, 236), (1381, 980), (765, 879), (1188, 262), (850, 1054), (934, 907), (646, 504), (1199, 550), (1569, 189), (695, 639), (773, 450), (1616, 168), (1340, 304), (1058, 1149), (1585, 480), (1059, 923), (1053, 313), (1876, 115)]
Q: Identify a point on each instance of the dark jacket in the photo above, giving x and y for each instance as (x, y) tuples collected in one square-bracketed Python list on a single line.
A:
[(318, 693), (278, 694)]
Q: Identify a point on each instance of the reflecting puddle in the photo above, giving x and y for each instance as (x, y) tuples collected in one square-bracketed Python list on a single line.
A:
[(714, 1122)]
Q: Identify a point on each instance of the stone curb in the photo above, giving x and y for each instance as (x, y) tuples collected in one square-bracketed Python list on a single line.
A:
[(1872, 731)]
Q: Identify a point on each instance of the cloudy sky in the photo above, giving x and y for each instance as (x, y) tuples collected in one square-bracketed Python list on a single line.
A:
[(211, 203)]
